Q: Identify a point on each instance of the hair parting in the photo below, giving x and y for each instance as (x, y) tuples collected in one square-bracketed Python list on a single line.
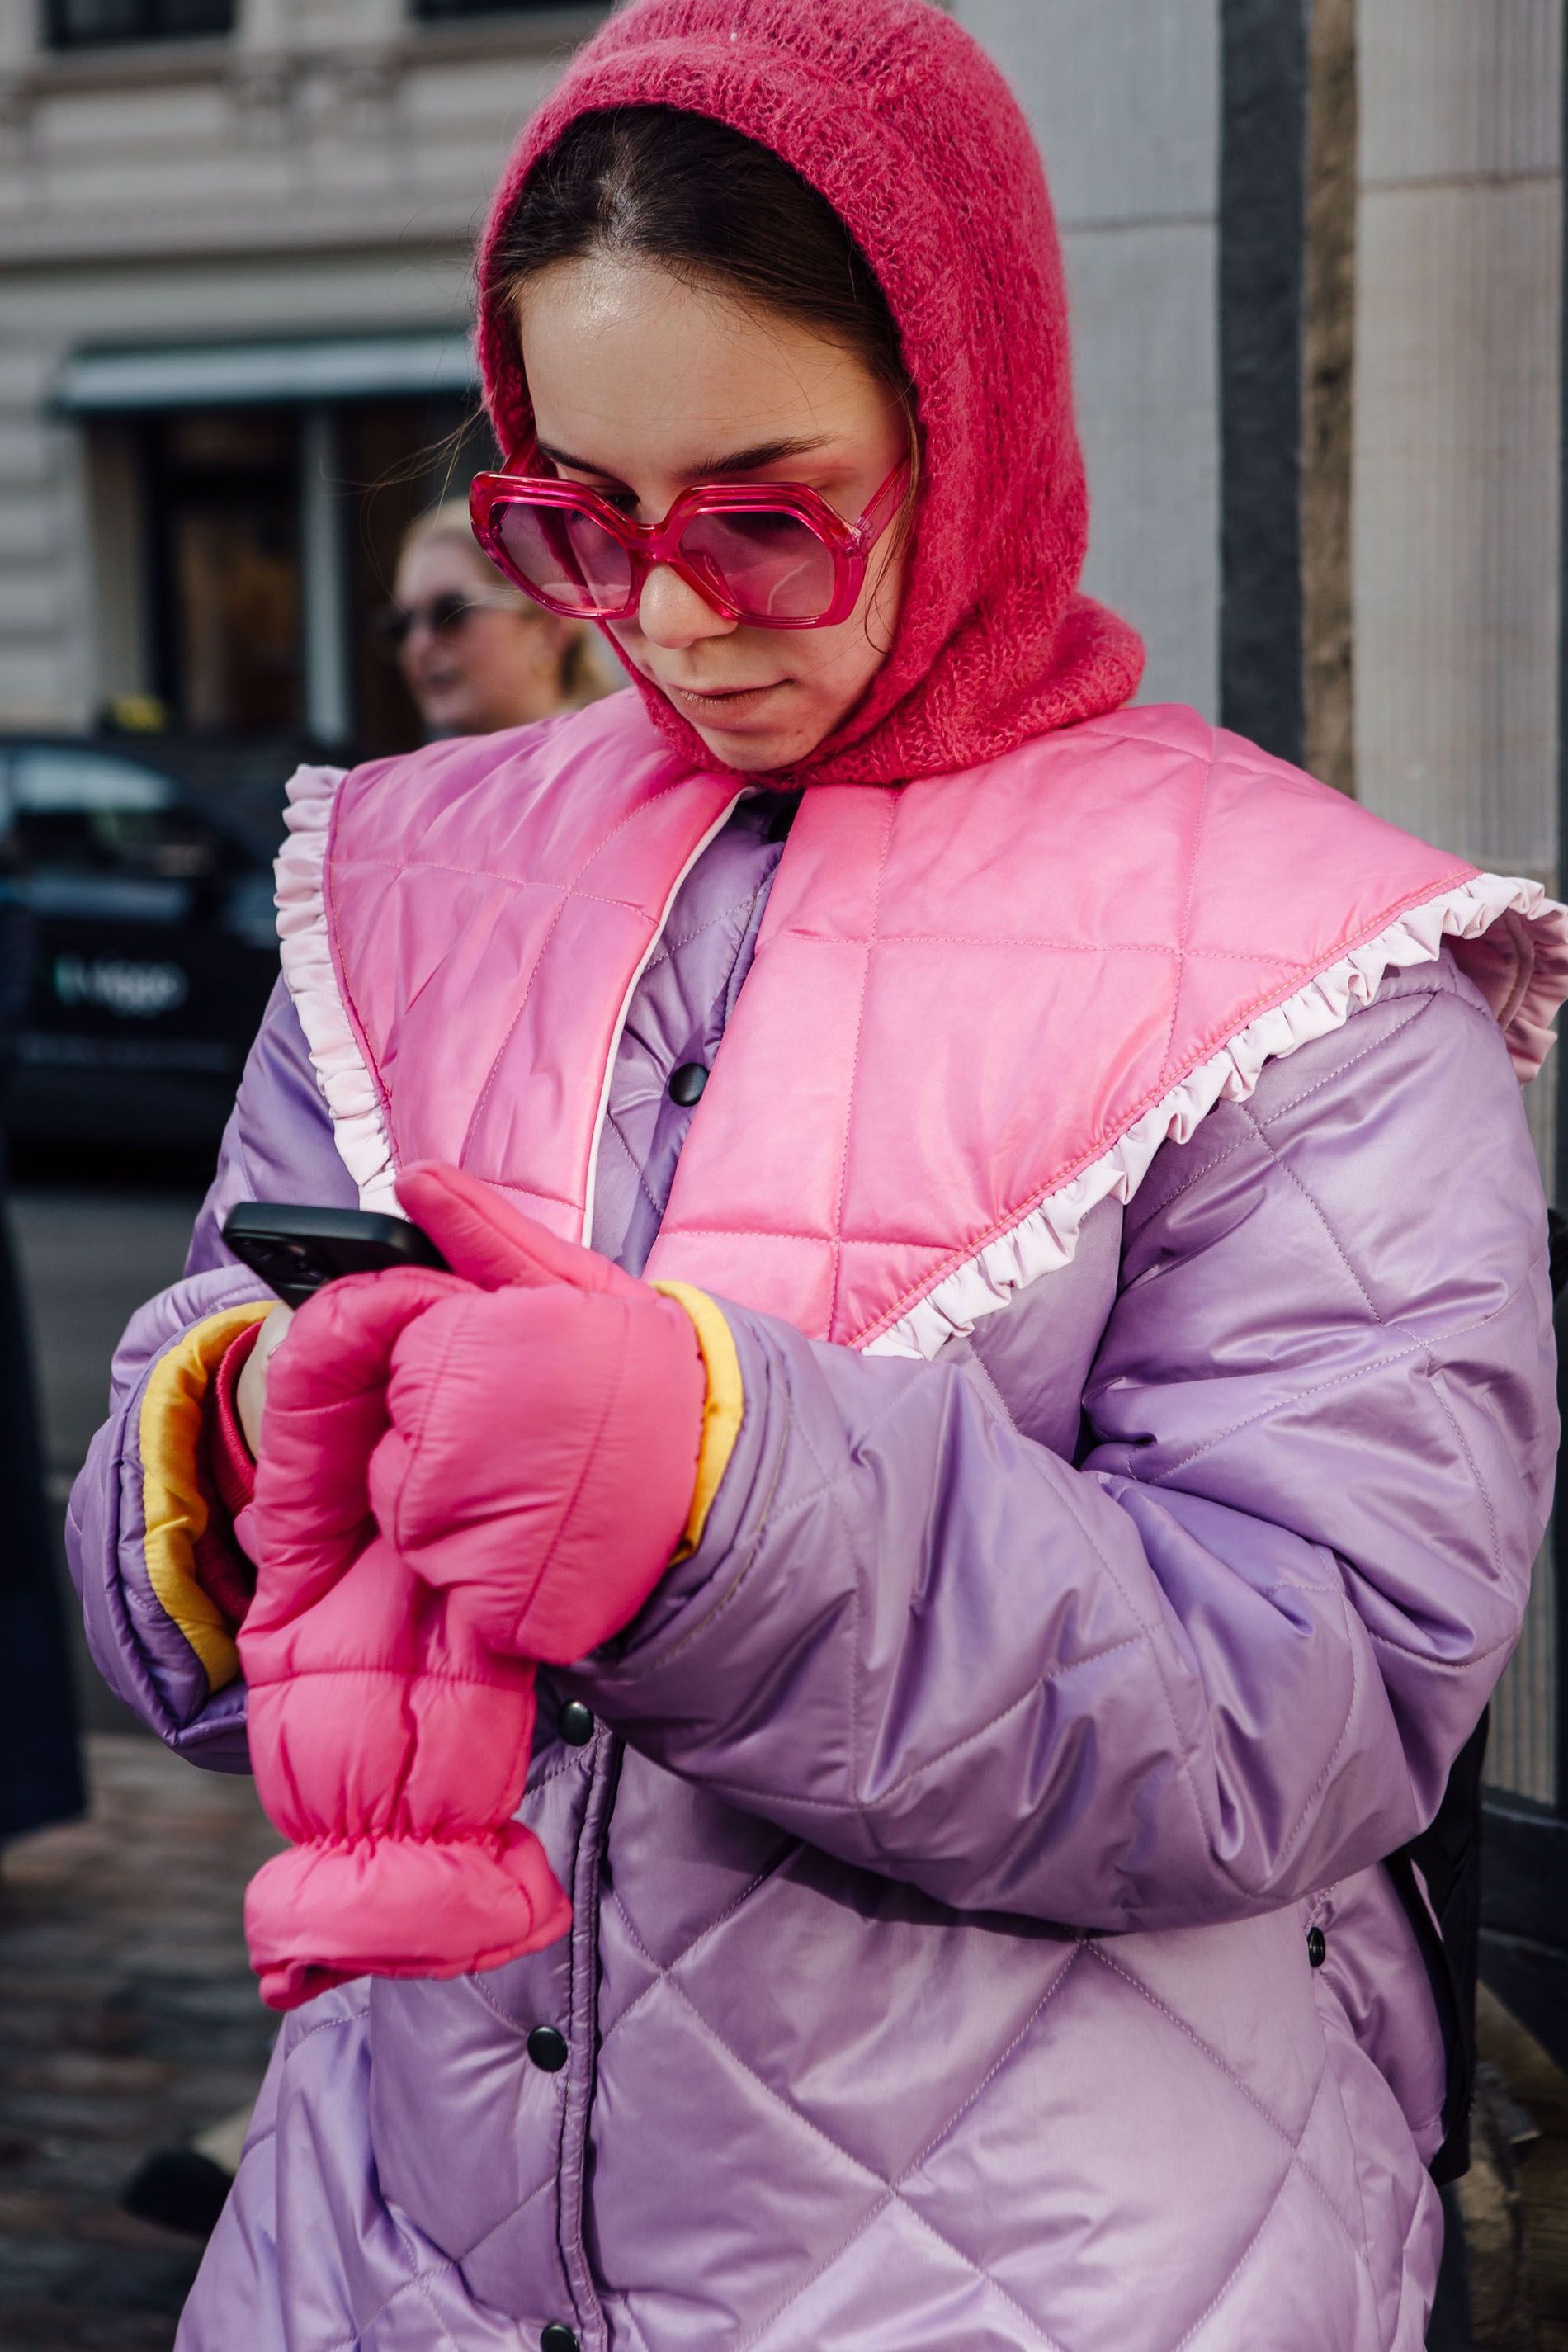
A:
[(716, 209)]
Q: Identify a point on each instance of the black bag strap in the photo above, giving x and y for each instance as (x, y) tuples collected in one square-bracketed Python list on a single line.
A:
[(1446, 1921), (1445, 1860)]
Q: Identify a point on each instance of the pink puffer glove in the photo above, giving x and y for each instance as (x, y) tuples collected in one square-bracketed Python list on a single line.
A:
[(389, 1741), (455, 1480), (544, 1439)]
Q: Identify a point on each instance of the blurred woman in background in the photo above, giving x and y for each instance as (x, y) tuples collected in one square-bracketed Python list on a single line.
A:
[(476, 656)]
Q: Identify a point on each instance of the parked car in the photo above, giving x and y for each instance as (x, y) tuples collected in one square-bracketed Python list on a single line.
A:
[(146, 905)]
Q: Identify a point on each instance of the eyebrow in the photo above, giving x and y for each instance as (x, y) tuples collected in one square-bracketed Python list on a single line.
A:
[(738, 461)]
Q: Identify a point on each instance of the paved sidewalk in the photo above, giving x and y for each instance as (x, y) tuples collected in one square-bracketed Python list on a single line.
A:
[(128, 2020)]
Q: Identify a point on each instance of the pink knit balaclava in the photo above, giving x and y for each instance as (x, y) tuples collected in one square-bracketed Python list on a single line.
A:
[(895, 115)]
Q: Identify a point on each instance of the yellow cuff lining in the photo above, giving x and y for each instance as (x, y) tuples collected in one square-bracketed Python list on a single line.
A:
[(722, 1413), (172, 1503)]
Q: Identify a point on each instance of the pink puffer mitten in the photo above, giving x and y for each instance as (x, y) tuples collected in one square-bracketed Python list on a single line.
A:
[(389, 1738), (544, 1449)]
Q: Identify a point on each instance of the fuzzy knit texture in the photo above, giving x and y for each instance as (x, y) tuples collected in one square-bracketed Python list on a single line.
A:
[(894, 114)]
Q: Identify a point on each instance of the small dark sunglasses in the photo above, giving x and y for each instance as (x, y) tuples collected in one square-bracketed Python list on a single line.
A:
[(445, 616)]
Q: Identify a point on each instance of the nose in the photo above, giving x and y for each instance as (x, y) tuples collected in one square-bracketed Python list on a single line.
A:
[(672, 613)]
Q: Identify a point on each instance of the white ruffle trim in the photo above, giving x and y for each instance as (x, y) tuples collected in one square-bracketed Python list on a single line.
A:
[(350, 1093), (1518, 957)]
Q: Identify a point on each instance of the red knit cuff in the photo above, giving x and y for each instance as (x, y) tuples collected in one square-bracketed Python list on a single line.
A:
[(230, 1458), (226, 1468)]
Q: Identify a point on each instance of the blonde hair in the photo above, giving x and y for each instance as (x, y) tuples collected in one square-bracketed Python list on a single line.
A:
[(584, 671)]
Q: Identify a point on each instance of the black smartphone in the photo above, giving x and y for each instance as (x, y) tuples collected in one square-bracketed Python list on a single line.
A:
[(296, 1251)]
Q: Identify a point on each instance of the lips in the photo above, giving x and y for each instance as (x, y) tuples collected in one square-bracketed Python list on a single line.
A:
[(718, 697)]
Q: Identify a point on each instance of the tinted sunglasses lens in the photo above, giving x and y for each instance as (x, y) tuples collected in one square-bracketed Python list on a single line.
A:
[(566, 557), (392, 627), (389, 629), (445, 616), (769, 565)]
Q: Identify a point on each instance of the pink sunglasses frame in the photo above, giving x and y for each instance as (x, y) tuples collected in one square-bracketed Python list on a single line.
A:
[(648, 544)]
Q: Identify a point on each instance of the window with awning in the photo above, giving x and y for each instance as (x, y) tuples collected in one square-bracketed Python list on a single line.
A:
[(264, 489), (91, 24), (440, 12), (419, 364)]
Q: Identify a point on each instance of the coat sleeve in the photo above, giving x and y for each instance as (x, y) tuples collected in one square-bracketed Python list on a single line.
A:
[(1227, 1656), (158, 1642)]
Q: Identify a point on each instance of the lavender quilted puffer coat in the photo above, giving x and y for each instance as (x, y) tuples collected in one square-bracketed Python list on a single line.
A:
[(979, 1938)]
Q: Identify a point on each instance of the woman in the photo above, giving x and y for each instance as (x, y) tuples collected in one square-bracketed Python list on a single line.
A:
[(1041, 1533), (476, 656)]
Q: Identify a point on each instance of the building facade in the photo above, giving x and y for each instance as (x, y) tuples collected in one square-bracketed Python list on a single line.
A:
[(234, 247)]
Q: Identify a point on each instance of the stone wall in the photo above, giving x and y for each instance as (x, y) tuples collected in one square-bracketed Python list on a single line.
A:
[(1458, 333), (1457, 561)]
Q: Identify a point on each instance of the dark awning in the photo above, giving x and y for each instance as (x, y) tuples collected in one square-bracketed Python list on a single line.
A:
[(421, 363)]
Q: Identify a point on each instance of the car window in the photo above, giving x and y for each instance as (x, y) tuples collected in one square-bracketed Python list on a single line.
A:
[(86, 812)]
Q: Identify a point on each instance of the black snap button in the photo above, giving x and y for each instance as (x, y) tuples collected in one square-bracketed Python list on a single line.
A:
[(686, 1084), (547, 2049), (556, 2338), (575, 1725), (1316, 1948)]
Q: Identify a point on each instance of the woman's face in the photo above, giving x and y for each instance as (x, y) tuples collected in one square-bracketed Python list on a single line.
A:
[(642, 386), (497, 664)]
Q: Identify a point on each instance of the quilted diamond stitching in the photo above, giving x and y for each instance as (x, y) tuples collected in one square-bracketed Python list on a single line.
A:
[(1348, 1379), (354, 2341), (418, 2283), (639, 1174), (1310, 1803), (892, 2196), (1263, 2219), (518, 2210), (1432, 974), (1428, 1346), (421, 2287), (1199, 815), (572, 889), (917, 1771), (837, 1237), (623, 2302), (1292, 2141), (1192, 953), (836, 1230), (730, 1908), (890, 2187), (414, 863), (667, 949)]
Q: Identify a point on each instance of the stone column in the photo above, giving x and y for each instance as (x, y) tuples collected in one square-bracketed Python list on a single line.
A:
[(1329, 394), (1124, 101)]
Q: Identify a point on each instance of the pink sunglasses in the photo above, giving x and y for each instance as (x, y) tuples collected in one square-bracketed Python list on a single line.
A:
[(773, 554)]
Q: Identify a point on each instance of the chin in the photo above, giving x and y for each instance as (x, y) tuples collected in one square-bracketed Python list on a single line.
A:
[(747, 759), (758, 755), (452, 719)]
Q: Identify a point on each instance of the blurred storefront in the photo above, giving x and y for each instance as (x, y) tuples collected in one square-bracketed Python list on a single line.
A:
[(235, 238)]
